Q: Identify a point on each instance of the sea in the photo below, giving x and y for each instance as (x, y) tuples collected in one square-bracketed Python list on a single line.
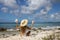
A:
[(9, 25)]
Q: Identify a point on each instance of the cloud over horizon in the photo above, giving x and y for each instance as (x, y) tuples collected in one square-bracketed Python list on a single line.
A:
[(31, 9)]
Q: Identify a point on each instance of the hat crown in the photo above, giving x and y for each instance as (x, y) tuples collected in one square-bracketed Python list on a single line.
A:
[(24, 22)]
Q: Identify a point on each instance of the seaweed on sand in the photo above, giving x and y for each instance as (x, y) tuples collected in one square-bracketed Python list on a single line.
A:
[(3, 29)]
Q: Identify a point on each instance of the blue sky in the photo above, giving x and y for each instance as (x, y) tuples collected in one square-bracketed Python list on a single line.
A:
[(37, 10)]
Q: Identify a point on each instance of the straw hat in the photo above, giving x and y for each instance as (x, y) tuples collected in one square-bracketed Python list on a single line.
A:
[(24, 22)]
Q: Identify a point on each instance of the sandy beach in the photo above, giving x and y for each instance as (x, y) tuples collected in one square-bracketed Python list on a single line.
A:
[(35, 35)]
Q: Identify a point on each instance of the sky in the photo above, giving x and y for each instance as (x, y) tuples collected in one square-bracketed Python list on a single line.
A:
[(37, 10)]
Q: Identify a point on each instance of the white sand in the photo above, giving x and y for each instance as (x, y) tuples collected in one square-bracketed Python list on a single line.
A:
[(38, 36)]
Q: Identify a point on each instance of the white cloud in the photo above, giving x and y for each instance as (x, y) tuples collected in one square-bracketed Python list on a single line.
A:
[(52, 16), (15, 12), (31, 18), (25, 10), (32, 6), (8, 2), (49, 7), (55, 16), (44, 11), (4, 9), (35, 4)]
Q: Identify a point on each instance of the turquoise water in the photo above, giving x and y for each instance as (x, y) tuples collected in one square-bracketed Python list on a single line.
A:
[(45, 24)]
